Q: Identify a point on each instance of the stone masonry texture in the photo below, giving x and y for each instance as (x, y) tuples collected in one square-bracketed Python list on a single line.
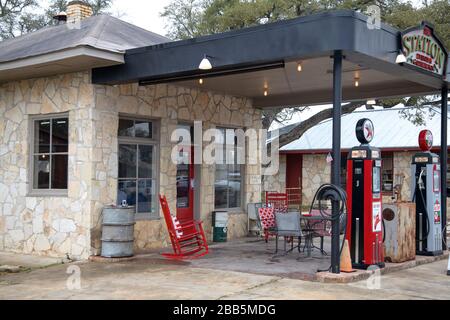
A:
[(71, 225)]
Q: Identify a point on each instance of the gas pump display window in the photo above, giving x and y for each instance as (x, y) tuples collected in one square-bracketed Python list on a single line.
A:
[(376, 180), (436, 181)]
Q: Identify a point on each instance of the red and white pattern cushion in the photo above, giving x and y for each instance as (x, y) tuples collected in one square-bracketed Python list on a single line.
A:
[(267, 217), (177, 226), (281, 209)]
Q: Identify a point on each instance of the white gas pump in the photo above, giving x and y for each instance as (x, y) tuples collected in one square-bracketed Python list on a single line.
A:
[(426, 193)]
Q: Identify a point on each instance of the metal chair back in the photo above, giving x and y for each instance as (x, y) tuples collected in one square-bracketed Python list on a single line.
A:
[(288, 224)]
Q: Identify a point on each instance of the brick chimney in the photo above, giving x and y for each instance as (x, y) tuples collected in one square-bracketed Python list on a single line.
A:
[(77, 11)]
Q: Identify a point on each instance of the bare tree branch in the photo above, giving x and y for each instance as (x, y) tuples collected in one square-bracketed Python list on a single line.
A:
[(303, 126)]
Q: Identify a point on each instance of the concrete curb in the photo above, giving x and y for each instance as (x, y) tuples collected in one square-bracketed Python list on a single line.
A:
[(328, 277), (110, 260)]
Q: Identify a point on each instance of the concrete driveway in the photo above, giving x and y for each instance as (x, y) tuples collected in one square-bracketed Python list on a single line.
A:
[(151, 277)]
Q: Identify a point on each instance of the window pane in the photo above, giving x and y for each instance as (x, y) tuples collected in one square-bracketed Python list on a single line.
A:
[(145, 196), (60, 135), (387, 172), (376, 180), (42, 136), (221, 187), (143, 129), (127, 160), (183, 186), (127, 191), (145, 161), (41, 172), (126, 128), (234, 186), (59, 172)]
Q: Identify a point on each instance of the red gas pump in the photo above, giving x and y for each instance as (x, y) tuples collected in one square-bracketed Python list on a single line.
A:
[(364, 226)]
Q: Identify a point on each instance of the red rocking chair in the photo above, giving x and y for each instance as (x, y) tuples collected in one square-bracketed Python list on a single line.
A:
[(188, 239)]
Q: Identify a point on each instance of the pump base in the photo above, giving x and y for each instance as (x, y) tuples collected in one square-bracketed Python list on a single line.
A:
[(363, 266), (430, 253)]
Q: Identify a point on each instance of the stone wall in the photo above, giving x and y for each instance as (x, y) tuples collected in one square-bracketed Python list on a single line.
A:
[(316, 172), (71, 225), (54, 226), (276, 182), (171, 105)]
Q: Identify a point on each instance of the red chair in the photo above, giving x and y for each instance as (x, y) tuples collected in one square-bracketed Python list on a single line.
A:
[(188, 239), (267, 218), (278, 201)]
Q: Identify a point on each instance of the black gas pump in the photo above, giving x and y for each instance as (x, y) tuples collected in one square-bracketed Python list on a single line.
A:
[(426, 193)]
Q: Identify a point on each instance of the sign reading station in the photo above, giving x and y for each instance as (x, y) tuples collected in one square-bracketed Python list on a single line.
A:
[(424, 50)]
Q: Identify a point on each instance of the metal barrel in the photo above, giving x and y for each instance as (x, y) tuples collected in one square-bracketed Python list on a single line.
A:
[(118, 232)]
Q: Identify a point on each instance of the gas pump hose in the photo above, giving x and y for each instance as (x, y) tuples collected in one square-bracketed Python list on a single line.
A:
[(334, 193), (427, 219)]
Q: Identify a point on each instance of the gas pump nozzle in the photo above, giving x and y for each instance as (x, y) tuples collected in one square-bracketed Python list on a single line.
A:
[(420, 182)]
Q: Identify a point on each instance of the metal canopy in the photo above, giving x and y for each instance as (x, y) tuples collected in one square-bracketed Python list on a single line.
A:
[(246, 60)]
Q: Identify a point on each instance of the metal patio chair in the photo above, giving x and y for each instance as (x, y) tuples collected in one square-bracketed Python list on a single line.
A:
[(254, 218), (288, 226)]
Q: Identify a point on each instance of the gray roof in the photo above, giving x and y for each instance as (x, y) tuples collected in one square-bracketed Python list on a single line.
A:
[(391, 131), (102, 32)]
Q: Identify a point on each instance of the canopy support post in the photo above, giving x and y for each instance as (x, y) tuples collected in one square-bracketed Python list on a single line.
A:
[(444, 157), (336, 153)]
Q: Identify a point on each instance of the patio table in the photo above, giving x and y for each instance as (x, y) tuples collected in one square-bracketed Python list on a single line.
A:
[(309, 222)]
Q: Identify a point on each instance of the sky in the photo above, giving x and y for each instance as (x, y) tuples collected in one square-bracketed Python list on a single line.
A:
[(143, 13)]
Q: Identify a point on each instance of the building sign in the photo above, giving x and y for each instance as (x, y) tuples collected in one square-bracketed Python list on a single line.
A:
[(424, 50)]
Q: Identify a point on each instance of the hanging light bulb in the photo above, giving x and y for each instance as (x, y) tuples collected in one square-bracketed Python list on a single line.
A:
[(205, 64), (266, 92), (400, 57), (200, 81), (299, 67), (356, 82)]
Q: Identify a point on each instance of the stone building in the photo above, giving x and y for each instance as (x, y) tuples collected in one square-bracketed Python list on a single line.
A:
[(90, 107), (305, 160), (69, 147)]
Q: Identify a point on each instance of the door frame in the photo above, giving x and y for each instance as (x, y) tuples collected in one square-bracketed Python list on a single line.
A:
[(194, 197)]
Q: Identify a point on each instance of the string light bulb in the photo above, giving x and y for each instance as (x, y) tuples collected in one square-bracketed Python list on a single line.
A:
[(266, 89), (299, 67), (356, 82), (200, 81)]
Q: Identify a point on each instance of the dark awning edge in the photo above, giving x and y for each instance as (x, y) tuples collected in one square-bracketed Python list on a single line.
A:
[(315, 36)]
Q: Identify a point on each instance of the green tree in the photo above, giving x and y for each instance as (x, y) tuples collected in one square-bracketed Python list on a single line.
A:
[(17, 17), (192, 18)]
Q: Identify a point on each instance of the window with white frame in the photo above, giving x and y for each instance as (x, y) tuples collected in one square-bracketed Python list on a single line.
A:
[(50, 152), (228, 176), (137, 172)]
